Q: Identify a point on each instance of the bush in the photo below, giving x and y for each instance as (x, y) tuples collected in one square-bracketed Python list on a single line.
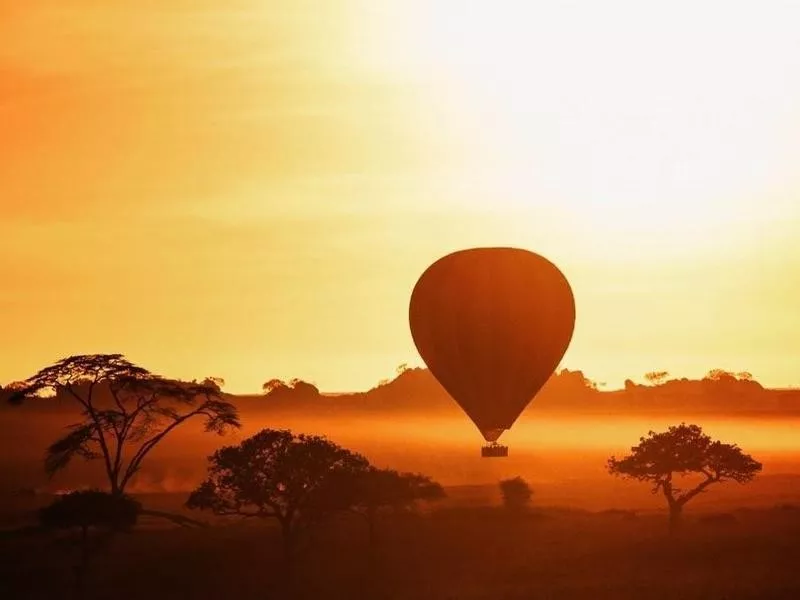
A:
[(516, 493)]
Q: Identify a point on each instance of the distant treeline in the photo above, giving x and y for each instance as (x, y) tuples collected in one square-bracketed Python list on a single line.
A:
[(415, 389)]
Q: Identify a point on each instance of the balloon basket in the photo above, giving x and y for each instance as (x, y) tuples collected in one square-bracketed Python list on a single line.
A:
[(494, 451)]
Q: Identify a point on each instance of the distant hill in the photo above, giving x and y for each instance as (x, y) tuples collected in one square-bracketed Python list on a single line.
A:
[(416, 390), (404, 422)]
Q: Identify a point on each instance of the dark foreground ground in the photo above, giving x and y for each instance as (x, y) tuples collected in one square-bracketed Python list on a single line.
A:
[(460, 551)]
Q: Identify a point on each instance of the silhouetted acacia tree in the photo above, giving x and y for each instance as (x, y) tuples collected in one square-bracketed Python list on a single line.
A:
[(277, 475), (656, 377), (722, 375), (683, 450), (370, 490), (9, 393), (272, 385), (126, 411), (277, 388), (570, 384), (516, 493), (216, 383), (94, 517)]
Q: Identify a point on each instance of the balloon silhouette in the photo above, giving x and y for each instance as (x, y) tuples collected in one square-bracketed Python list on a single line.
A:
[(492, 324)]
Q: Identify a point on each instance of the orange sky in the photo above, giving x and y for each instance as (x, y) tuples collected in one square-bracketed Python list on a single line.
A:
[(250, 189)]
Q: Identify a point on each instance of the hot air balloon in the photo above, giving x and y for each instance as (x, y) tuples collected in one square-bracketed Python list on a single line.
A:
[(492, 325)]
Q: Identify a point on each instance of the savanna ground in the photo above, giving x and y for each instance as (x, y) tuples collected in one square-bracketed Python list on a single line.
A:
[(588, 535), (467, 548)]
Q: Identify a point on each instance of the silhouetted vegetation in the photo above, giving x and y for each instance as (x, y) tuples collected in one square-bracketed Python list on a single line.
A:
[(369, 491), (720, 392), (277, 475), (94, 517), (475, 552), (683, 450), (300, 481), (295, 388), (656, 377), (516, 493), (414, 390), (458, 546), (125, 410)]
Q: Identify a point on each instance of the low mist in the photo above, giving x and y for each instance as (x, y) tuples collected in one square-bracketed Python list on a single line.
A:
[(564, 457)]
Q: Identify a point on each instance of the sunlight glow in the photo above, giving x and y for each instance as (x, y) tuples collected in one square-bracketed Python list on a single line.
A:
[(629, 119), (266, 181)]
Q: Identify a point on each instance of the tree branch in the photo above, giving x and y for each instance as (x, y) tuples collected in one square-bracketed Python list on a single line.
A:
[(75, 442), (697, 490), (147, 446), (101, 436)]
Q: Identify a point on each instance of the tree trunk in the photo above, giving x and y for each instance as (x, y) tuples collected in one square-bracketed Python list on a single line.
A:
[(371, 549), (287, 537), (83, 564), (370, 517), (373, 565), (675, 517)]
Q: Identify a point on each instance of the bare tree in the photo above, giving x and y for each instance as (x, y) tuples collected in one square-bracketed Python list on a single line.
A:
[(679, 451), (126, 411)]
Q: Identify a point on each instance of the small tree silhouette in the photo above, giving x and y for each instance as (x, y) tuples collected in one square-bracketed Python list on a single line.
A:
[(369, 491), (277, 475), (720, 375), (516, 493), (656, 377), (126, 411), (295, 388), (683, 450), (95, 516)]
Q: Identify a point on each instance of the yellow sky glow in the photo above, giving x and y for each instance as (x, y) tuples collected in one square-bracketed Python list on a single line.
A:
[(250, 189)]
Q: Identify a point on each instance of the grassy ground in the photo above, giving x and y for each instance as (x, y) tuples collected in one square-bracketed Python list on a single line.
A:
[(468, 549), (463, 550)]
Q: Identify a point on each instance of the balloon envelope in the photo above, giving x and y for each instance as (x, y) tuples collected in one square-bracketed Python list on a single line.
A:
[(492, 324)]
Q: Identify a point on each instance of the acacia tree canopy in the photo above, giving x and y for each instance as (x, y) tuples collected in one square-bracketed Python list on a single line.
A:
[(656, 377), (684, 450), (125, 411)]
